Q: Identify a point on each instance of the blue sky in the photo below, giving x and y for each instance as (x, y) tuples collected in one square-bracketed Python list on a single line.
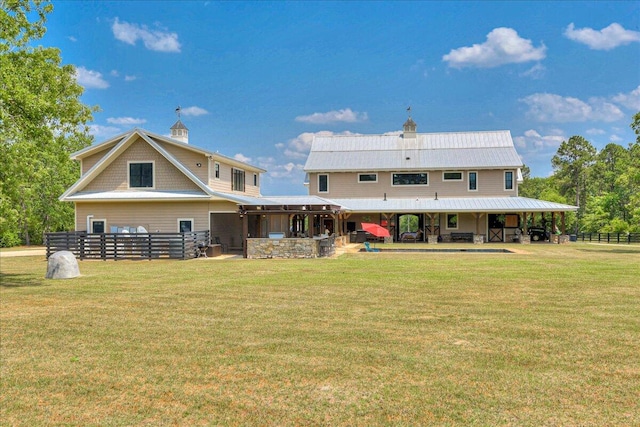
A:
[(256, 80)]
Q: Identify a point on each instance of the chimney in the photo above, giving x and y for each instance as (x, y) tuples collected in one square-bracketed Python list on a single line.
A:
[(179, 131)]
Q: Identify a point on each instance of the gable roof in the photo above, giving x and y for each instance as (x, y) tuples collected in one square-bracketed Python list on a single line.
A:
[(432, 151), (117, 150), (88, 151)]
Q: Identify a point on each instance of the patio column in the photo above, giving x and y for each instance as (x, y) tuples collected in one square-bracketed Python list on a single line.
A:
[(564, 231), (245, 233)]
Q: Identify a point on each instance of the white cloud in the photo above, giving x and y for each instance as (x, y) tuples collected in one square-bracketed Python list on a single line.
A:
[(103, 132), (615, 138), (594, 131), (533, 141), (503, 46), (193, 111), (129, 78), (90, 79), (299, 147), (73, 39), (125, 121), (114, 73), (242, 158), (536, 72), (158, 40), (345, 115), (548, 107), (606, 39), (629, 100)]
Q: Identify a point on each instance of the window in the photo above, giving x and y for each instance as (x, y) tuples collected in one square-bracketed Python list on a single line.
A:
[(255, 179), (410, 179), (452, 221), (185, 225), (367, 177), (323, 183), (141, 175), (508, 180), (98, 225), (473, 181), (237, 183), (216, 170), (452, 176)]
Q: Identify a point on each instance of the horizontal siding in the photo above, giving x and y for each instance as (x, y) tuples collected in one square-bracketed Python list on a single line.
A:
[(89, 162), (223, 184), (167, 176), (346, 185), (190, 160)]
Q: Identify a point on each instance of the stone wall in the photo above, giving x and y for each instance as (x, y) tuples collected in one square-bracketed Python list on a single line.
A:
[(283, 248)]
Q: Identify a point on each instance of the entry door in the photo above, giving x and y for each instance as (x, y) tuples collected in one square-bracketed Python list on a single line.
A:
[(496, 234)]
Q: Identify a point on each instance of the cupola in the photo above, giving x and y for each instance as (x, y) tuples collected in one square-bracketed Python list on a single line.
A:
[(409, 127), (179, 131)]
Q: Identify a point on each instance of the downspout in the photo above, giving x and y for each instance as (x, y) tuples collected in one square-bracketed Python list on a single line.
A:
[(89, 223)]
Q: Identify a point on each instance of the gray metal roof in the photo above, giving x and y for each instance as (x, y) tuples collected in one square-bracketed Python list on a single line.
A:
[(451, 150), (475, 204)]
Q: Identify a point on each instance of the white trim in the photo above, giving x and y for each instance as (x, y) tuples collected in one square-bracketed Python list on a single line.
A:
[(319, 175), (193, 224), (469, 181), (98, 220), (452, 180), (216, 172), (446, 221), (153, 174), (409, 185), (513, 181), (367, 182)]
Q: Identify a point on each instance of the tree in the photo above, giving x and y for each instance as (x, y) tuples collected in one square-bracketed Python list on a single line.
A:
[(42, 121), (571, 164)]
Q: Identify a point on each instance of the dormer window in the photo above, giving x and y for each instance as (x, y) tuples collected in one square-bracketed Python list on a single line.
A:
[(141, 175)]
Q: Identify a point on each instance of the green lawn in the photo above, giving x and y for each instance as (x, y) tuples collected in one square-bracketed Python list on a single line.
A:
[(547, 337)]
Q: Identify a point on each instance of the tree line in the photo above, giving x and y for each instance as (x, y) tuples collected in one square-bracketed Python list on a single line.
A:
[(604, 185)]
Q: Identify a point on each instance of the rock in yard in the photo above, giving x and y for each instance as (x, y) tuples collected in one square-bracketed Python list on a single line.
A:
[(62, 265)]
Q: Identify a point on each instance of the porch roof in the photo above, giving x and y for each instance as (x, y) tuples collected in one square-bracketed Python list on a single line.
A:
[(470, 204)]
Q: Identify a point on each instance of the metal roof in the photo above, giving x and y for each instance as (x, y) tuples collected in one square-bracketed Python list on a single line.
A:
[(478, 150), (469, 204)]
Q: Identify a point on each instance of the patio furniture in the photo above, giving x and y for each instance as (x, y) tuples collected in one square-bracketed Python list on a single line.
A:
[(368, 248)]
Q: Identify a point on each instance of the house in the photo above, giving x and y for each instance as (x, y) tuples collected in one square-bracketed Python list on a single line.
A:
[(423, 186), (143, 181), (456, 185)]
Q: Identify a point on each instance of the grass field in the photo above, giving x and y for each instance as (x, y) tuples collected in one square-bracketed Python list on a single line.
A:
[(548, 337)]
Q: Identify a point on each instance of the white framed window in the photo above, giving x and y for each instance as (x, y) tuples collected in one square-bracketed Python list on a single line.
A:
[(365, 178), (323, 183), (185, 225), (399, 179), (473, 181), (237, 179), (452, 221), (216, 170), (98, 226), (452, 176), (508, 181), (141, 174)]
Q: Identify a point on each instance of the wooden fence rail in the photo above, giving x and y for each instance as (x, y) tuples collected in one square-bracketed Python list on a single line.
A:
[(119, 246), (609, 237)]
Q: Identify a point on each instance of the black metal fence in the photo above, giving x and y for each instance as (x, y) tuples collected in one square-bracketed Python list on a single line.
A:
[(609, 237), (120, 246)]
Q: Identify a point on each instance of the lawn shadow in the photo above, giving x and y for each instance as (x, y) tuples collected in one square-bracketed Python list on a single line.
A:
[(612, 250), (19, 280)]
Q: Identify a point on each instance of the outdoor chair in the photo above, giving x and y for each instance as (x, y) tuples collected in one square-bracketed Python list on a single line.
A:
[(368, 248), (223, 245)]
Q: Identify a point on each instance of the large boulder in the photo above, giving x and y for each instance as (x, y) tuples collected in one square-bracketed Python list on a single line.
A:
[(62, 265)]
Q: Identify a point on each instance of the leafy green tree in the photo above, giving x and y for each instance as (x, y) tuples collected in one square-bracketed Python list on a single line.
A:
[(571, 163), (42, 121)]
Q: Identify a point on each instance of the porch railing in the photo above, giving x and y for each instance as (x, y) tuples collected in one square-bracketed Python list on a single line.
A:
[(120, 246)]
